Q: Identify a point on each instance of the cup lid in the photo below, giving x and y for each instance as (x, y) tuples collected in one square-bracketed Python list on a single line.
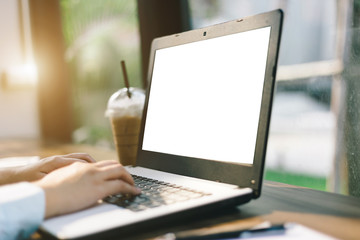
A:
[(120, 104)]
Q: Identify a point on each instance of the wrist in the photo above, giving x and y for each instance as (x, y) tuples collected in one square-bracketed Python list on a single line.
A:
[(51, 206)]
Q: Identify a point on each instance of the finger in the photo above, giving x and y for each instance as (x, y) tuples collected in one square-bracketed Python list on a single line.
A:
[(116, 171), (59, 162), (83, 156), (62, 162), (117, 186), (106, 163)]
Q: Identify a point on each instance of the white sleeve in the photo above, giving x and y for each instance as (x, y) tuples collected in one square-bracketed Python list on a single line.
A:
[(22, 209)]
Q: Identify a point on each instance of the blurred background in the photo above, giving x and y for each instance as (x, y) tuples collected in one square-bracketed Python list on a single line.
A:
[(60, 63)]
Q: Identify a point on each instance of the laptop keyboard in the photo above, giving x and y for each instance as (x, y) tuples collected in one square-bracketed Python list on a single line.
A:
[(154, 193)]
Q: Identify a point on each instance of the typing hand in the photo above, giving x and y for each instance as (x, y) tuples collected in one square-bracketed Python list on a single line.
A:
[(81, 185), (41, 168)]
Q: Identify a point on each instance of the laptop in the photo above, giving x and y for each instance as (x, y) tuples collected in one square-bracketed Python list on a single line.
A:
[(204, 129)]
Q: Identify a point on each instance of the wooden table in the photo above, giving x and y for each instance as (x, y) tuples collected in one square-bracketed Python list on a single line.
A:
[(333, 214), (29, 147)]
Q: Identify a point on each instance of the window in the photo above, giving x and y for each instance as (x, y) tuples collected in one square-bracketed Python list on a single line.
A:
[(306, 137), (99, 35), (18, 74)]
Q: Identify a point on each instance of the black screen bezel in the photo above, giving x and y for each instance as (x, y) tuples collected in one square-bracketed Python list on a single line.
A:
[(243, 175)]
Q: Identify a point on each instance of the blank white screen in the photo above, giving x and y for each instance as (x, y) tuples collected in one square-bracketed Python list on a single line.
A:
[(205, 98)]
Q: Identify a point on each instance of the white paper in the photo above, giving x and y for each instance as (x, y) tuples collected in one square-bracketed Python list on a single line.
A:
[(292, 231)]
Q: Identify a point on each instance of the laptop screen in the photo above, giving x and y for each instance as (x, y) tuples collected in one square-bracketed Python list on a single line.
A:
[(205, 97)]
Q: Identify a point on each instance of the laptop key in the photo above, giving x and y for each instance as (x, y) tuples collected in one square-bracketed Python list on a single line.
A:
[(154, 194)]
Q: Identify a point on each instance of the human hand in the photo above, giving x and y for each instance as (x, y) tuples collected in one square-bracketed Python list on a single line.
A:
[(81, 185), (39, 169)]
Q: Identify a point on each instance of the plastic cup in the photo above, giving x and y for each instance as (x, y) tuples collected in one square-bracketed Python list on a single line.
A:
[(125, 115)]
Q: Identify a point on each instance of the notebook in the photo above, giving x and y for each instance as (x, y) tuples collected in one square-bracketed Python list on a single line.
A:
[(204, 129)]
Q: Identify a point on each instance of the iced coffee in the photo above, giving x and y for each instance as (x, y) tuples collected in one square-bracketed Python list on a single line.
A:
[(124, 111)]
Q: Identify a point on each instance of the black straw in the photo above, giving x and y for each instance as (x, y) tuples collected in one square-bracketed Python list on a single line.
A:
[(127, 85)]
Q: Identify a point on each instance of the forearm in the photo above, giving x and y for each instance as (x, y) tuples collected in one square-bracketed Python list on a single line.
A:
[(26, 173), (9, 175)]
